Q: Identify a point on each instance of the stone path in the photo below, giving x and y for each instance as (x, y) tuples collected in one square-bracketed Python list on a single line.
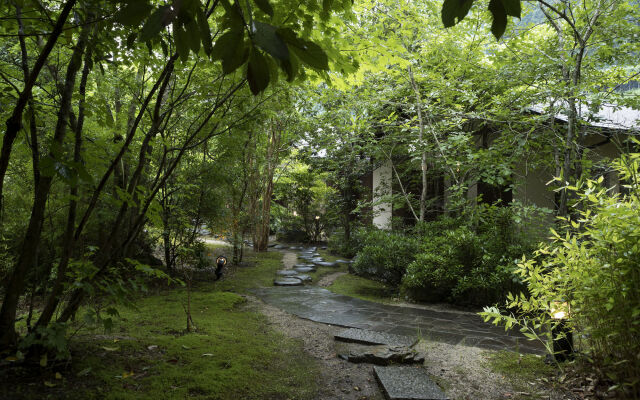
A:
[(321, 305), (384, 334)]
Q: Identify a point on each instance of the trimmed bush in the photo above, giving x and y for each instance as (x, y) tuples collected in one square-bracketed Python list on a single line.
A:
[(384, 256)]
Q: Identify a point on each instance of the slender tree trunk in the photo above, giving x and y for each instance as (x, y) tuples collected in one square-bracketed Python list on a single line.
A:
[(32, 236), (14, 123), (68, 243), (423, 156)]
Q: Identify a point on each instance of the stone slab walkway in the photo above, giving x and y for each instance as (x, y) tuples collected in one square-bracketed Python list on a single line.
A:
[(323, 306), (407, 383)]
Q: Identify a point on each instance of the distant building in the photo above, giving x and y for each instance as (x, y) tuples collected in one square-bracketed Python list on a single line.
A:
[(605, 131)]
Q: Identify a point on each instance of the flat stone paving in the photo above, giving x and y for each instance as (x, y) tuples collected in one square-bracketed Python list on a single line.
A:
[(321, 305), (407, 383), (365, 336)]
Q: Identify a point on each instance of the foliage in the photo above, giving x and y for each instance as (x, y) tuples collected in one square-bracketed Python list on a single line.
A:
[(466, 264), (384, 255), (302, 194), (591, 274)]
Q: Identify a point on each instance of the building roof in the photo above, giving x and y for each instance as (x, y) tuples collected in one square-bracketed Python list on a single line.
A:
[(609, 116)]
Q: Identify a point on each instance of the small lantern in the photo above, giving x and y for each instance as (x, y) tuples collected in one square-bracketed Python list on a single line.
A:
[(561, 333)]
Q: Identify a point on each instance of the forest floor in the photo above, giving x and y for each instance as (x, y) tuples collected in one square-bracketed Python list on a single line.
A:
[(246, 349)]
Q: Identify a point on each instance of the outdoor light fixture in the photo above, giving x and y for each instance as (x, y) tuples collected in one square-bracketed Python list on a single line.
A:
[(295, 214), (562, 335), (317, 217)]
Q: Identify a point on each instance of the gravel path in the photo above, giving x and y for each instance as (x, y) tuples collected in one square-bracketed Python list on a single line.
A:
[(338, 379)]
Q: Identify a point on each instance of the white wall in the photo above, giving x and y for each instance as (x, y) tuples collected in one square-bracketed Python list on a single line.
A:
[(382, 187)]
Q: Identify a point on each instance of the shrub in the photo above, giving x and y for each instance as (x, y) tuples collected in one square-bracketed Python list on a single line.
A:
[(593, 271), (467, 261), (384, 255)]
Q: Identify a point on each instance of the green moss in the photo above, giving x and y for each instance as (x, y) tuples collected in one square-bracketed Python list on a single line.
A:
[(362, 288), (520, 369), (258, 270), (234, 354)]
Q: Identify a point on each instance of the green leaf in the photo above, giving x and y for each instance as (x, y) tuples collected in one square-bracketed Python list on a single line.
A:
[(258, 72), (499, 24), (312, 55), (309, 52), (193, 35), (512, 7), (133, 13), (108, 118), (452, 9), (267, 39), (264, 6), (205, 32), (155, 23), (182, 41), (326, 5), (290, 67), (230, 48)]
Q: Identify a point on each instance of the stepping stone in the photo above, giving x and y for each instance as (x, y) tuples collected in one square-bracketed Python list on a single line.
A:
[(325, 264), (304, 278), (343, 261), (304, 266), (402, 383), (316, 254), (286, 272), (305, 269), (317, 259), (323, 247), (364, 336), (295, 248), (288, 281), (271, 245), (383, 355), (279, 247)]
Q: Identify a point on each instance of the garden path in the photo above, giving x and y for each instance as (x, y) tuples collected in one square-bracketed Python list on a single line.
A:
[(463, 328)]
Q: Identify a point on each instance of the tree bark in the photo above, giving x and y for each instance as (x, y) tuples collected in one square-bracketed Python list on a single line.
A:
[(423, 156), (14, 123), (32, 236)]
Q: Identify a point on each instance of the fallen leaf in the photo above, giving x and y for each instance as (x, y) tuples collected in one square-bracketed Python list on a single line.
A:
[(357, 389), (111, 348), (58, 375), (11, 358), (152, 347), (43, 361), (186, 347), (207, 355), (49, 384), (126, 374)]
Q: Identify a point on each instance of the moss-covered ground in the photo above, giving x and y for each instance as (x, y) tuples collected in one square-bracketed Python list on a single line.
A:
[(233, 354), (363, 288)]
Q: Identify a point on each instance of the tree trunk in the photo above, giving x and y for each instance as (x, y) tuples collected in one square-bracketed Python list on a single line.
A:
[(14, 123), (423, 156), (32, 236)]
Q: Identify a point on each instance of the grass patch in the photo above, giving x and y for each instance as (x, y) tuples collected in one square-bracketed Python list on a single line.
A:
[(521, 370), (234, 354), (258, 269), (362, 288)]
